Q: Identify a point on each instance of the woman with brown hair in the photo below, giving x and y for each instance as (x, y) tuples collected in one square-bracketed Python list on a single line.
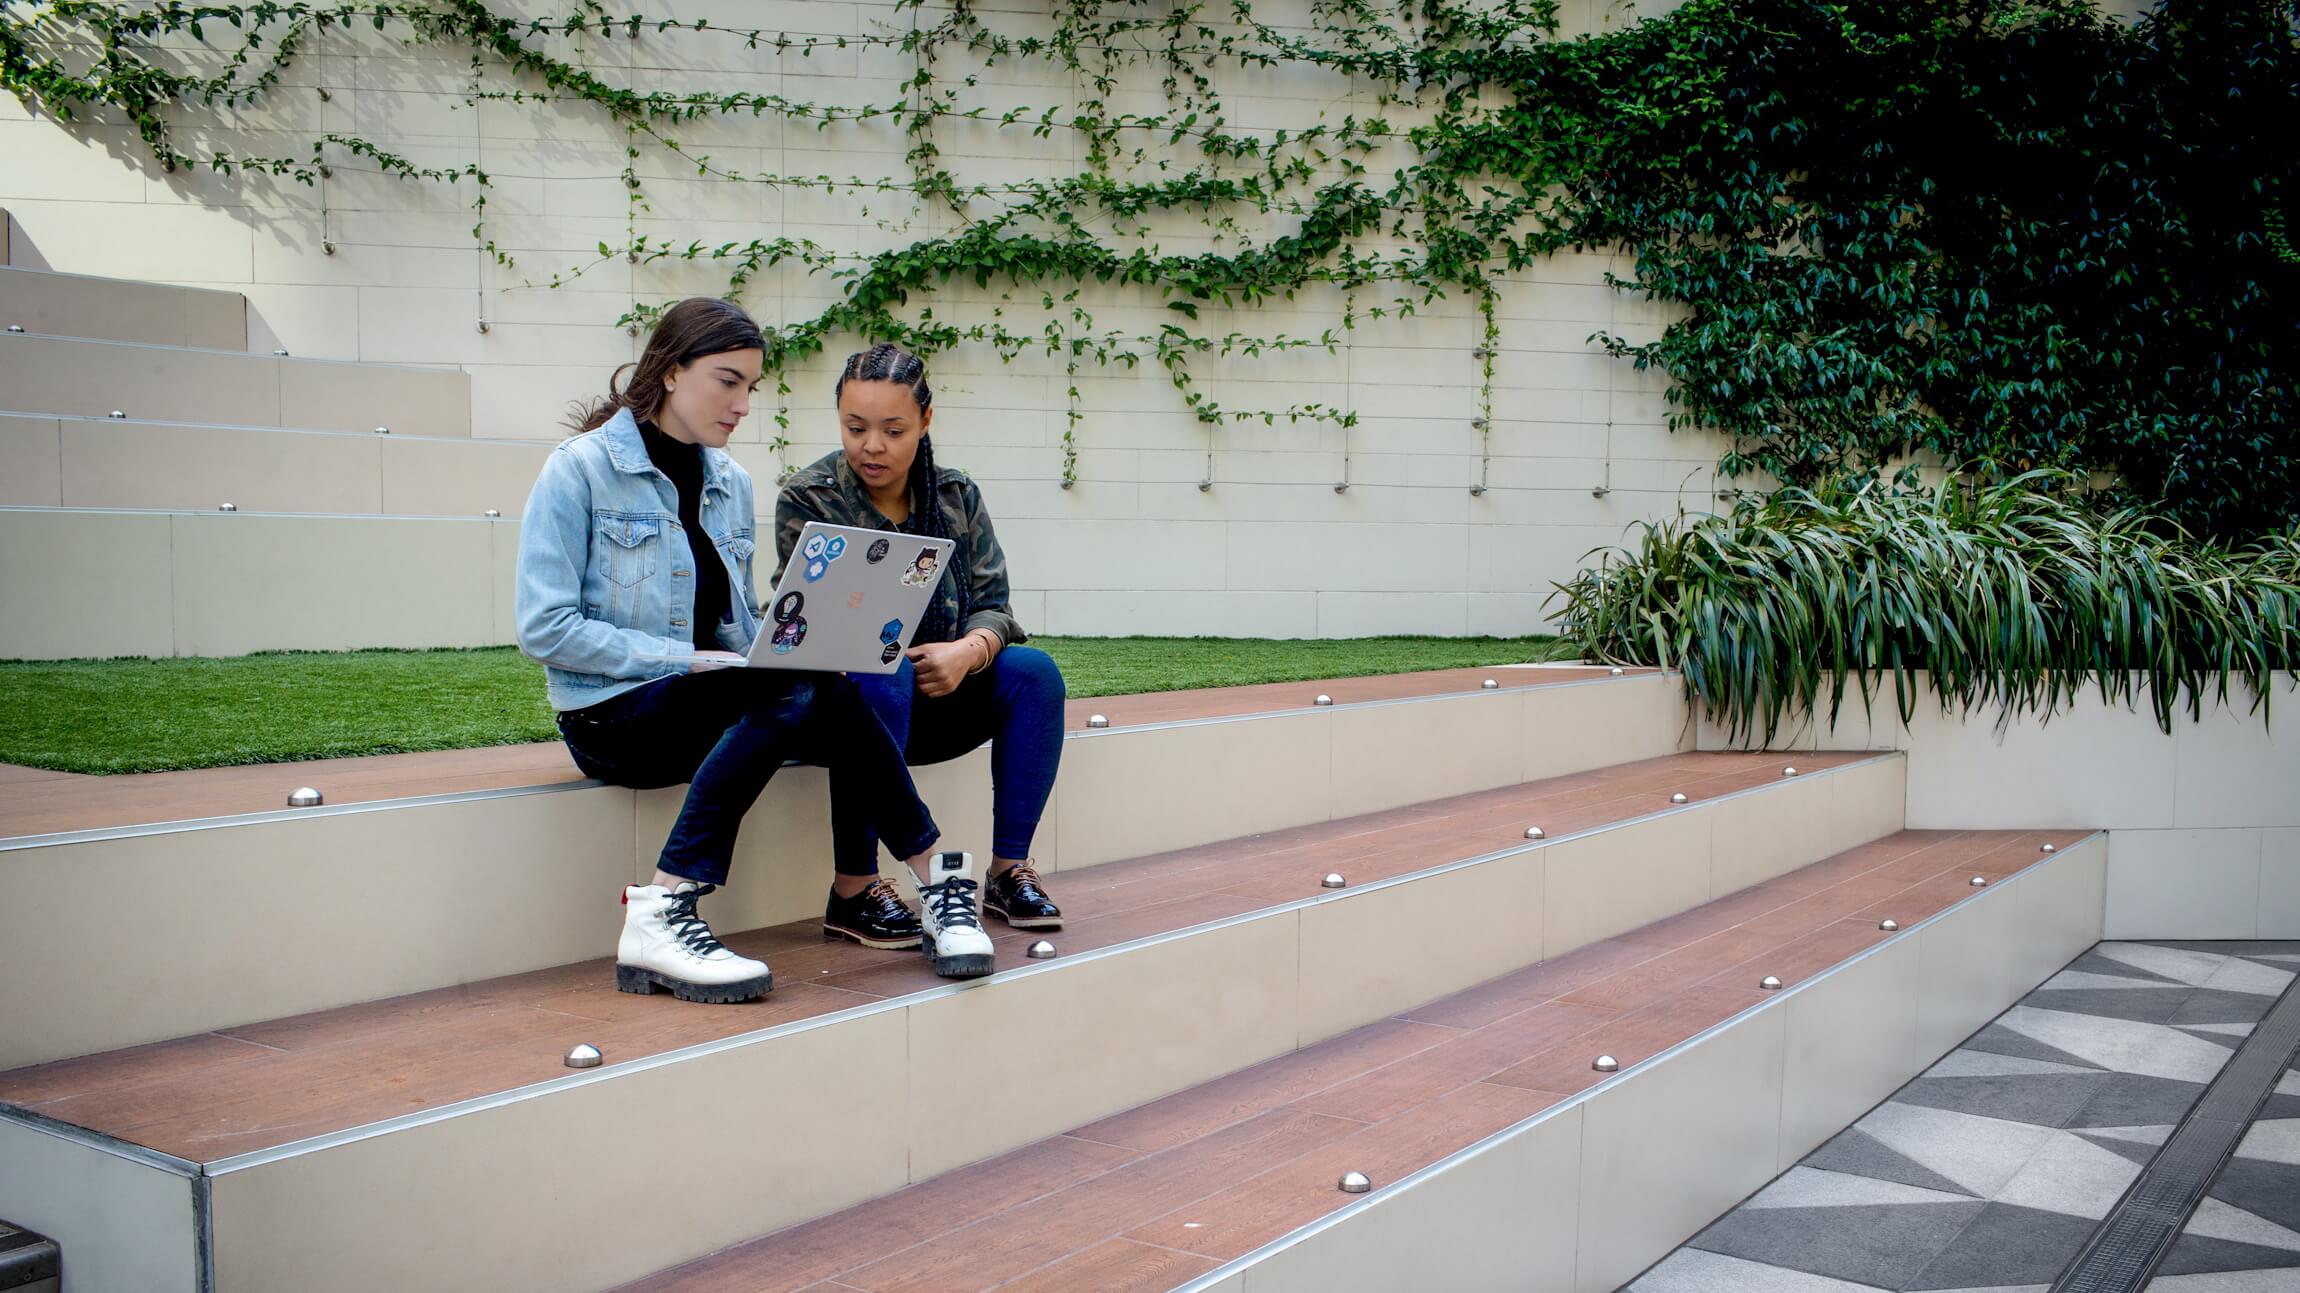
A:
[(635, 590)]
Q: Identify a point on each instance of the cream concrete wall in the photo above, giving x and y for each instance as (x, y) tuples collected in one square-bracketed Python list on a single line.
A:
[(73, 305), (1136, 547), (218, 584), (2206, 819), (123, 1223), (68, 375)]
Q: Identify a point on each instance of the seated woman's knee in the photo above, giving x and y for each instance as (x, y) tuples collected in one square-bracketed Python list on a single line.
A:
[(1032, 670)]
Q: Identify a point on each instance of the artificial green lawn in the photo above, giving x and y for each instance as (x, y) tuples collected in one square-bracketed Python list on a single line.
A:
[(158, 715)]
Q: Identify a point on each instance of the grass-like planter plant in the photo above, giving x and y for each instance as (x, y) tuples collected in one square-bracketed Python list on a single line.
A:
[(2017, 594)]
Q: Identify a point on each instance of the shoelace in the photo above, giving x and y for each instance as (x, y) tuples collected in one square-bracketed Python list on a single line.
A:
[(952, 902), (889, 902), (1022, 878), (679, 917)]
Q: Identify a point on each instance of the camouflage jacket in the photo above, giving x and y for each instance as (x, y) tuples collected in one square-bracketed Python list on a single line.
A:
[(827, 490)]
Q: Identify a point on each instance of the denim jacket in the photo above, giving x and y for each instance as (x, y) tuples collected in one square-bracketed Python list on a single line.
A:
[(606, 573)]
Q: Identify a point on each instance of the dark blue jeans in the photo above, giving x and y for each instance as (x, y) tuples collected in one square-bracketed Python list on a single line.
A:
[(725, 732), (1016, 705)]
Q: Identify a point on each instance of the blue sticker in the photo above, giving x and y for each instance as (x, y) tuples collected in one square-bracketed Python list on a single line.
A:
[(816, 569), (837, 548), (814, 546), (892, 633)]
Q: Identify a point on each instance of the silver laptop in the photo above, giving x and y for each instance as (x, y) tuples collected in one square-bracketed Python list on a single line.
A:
[(849, 601)]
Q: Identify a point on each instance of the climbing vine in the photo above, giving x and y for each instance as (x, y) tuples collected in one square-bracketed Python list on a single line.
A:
[(2010, 231)]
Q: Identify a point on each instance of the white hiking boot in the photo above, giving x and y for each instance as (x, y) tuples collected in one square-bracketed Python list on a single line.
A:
[(952, 923), (666, 945)]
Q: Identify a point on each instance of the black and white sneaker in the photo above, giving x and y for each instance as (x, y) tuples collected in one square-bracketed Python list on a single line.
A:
[(665, 944), (951, 929), (1015, 897), (875, 917)]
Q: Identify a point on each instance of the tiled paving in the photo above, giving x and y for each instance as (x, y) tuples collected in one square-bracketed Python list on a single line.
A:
[(242, 1089), (1991, 1169), (1153, 1197), (37, 802)]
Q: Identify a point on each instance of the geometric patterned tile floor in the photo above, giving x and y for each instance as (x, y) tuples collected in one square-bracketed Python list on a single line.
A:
[(1988, 1171)]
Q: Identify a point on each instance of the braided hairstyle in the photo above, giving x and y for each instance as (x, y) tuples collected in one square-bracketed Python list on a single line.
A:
[(886, 362)]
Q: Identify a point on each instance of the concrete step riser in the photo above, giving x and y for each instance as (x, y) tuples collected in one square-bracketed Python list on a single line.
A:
[(110, 309), (822, 1115), (99, 462), (71, 376), (217, 584), (1587, 1195), (250, 919)]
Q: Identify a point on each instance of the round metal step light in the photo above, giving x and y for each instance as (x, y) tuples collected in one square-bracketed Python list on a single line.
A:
[(1980, 882), (1889, 925), (1617, 671), (1677, 798), (305, 797), (227, 507), (1333, 880), (1536, 833), (1355, 1183), (119, 416), (1097, 720), (2047, 848), (1769, 983), (15, 327), (279, 354), (1041, 951), (383, 430), (1489, 684), (1788, 772), (1323, 699), (1606, 1064), (584, 1056), (494, 513)]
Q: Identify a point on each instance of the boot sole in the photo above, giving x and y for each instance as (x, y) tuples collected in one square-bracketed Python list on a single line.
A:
[(960, 967), (880, 944), (1025, 922), (644, 982)]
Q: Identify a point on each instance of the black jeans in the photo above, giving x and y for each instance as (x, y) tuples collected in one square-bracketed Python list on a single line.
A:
[(726, 732)]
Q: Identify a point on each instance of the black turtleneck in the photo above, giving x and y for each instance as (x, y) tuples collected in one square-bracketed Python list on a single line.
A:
[(683, 463)]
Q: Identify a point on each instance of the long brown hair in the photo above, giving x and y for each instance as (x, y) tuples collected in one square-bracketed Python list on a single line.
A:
[(695, 327)]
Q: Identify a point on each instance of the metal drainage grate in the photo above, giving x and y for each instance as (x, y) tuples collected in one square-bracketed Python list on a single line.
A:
[(2131, 1241)]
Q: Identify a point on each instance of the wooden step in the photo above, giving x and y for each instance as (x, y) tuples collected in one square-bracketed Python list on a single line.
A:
[(345, 905), (1503, 1160), (1175, 969)]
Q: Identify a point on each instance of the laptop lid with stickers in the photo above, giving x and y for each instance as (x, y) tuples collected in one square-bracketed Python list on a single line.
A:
[(849, 601)]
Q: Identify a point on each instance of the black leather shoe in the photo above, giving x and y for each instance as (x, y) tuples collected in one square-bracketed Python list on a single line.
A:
[(875, 917), (1016, 898)]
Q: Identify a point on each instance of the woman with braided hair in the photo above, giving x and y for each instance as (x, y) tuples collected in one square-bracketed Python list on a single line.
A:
[(966, 679)]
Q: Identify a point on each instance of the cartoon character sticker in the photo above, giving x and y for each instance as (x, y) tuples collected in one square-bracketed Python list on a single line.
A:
[(790, 626), (877, 551), (924, 569), (789, 634)]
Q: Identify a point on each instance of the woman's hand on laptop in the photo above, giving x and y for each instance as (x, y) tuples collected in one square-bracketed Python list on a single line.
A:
[(705, 661), (941, 666)]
